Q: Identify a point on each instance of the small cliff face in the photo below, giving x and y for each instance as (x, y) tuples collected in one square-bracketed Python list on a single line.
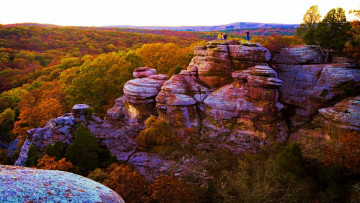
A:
[(19, 184), (309, 85)]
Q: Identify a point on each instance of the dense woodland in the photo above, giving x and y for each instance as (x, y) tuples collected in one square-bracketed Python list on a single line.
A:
[(45, 70)]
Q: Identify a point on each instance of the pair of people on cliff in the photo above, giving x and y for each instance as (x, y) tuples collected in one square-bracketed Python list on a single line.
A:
[(222, 36)]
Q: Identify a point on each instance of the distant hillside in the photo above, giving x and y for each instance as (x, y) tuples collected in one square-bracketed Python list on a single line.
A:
[(238, 25)]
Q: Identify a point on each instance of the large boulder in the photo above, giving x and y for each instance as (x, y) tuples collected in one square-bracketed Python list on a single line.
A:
[(307, 88), (216, 61), (19, 184), (246, 113)]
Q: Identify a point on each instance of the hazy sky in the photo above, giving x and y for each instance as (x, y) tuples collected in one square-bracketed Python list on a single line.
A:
[(162, 12)]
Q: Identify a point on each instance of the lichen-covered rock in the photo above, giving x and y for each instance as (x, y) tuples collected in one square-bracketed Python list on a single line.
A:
[(215, 62), (299, 55), (19, 184), (143, 72), (245, 114), (307, 88)]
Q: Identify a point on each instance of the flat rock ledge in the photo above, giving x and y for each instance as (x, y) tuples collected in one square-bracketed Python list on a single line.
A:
[(20, 184)]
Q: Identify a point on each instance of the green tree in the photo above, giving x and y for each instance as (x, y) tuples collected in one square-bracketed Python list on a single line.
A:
[(33, 156), (332, 32), (307, 29), (83, 152), (58, 150)]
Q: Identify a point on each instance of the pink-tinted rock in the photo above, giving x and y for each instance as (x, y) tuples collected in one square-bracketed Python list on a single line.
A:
[(299, 55), (215, 62), (307, 88), (245, 114), (180, 98), (143, 72)]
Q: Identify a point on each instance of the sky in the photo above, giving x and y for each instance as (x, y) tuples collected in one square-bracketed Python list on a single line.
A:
[(162, 12)]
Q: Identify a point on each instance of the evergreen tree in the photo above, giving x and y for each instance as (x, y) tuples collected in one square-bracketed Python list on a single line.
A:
[(332, 32)]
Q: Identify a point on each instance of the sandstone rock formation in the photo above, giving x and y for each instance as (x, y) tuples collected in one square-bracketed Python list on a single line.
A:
[(143, 72), (246, 113), (229, 96), (341, 118), (215, 62), (308, 86), (19, 184)]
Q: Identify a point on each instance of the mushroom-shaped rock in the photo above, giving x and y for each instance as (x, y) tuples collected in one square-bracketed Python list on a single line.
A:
[(20, 184), (143, 72), (144, 90), (79, 110)]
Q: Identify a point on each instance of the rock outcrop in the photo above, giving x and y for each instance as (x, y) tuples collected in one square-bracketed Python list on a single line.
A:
[(308, 85), (181, 100), (228, 96), (342, 118), (19, 184), (246, 113), (58, 129), (216, 61)]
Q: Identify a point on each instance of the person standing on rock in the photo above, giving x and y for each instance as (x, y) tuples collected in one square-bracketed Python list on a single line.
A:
[(248, 36), (225, 36), (220, 36)]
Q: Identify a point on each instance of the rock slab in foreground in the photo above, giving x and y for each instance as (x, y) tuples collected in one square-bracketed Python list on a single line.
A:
[(20, 184)]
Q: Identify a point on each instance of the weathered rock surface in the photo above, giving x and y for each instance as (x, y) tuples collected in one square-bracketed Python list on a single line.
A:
[(299, 55), (19, 184), (246, 113), (138, 101), (181, 99), (341, 118), (143, 72), (215, 62), (307, 88)]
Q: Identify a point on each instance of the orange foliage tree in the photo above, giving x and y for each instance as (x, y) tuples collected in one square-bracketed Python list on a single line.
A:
[(48, 162), (352, 47), (170, 189), (164, 57), (124, 180), (38, 106), (344, 152), (276, 42)]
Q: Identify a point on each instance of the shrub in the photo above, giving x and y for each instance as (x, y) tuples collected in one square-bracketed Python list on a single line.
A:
[(58, 150), (156, 137), (170, 189), (48, 162), (33, 156), (344, 152), (124, 180), (85, 153)]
